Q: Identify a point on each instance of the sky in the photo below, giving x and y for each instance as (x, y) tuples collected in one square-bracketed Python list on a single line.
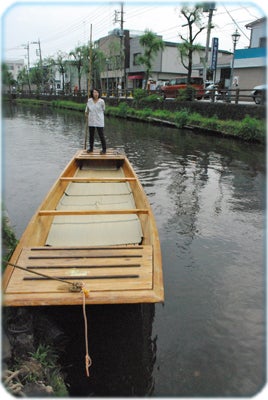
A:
[(63, 25)]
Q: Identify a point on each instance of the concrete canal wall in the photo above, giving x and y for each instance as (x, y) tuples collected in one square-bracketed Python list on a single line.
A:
[(222, 110)]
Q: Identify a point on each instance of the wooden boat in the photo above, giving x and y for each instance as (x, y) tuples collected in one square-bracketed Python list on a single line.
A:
[(94, 228)]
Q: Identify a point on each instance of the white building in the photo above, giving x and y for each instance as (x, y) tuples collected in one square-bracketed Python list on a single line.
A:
[(250, 63), (15, 66), (166, 63)]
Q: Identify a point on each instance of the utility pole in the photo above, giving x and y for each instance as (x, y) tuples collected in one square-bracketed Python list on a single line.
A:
[(41, 62), (122, 47), (208, 7), (27, 47)]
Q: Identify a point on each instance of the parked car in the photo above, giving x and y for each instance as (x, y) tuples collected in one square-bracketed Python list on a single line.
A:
[(259, 94), (171, 89)]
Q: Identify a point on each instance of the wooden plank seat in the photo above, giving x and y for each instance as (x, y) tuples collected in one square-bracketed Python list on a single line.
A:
[(110, 154), (99, 267)]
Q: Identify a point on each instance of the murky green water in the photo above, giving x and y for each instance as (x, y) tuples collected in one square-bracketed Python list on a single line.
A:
[(208, 196)]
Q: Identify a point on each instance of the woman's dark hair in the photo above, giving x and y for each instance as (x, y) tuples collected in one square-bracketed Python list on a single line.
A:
[(92, 90)]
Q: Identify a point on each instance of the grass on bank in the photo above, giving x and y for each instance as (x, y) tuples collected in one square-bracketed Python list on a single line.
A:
[(47, 357), (9, 241), (249, 129)]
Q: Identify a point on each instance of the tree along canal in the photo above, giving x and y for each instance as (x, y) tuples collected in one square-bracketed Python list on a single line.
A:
[(208, 196)]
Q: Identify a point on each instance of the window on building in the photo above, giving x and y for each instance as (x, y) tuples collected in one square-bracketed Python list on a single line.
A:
[(263, 42), (136, 58)]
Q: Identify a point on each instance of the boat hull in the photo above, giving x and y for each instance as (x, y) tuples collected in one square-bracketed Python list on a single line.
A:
[(95, 231)]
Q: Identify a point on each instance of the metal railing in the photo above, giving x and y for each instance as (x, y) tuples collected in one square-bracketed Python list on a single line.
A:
[(235, 96), (229, 95)]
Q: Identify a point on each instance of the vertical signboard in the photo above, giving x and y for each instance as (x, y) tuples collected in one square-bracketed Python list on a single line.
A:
[(214, 55)]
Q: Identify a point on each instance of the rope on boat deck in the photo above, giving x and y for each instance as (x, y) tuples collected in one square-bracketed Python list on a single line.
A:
[(75, 287), (88, 360)]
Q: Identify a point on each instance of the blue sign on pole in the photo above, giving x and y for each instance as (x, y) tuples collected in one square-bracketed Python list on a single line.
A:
[(214, 56)]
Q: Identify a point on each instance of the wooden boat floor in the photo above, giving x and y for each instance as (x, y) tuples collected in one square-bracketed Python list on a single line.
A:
[(101, 269)]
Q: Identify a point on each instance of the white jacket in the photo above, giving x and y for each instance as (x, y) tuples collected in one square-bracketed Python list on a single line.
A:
[(95, 112)]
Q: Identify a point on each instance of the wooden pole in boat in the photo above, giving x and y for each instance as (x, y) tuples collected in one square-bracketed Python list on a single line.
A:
[(90, 62), (89, 82)]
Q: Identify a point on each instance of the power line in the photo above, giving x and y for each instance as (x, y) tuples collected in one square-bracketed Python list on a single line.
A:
[(101, 19), (235, 23), (77, 25)]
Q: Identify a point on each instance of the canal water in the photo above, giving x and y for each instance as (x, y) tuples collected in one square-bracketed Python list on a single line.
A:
[(208, 196)]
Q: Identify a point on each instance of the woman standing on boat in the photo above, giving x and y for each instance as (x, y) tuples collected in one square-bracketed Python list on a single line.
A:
[(95, 113)]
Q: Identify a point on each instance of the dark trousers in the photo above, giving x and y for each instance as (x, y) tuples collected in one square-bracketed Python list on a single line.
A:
[(101, 136)]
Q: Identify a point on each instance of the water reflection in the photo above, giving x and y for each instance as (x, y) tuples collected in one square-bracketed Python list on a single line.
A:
[(121, 347), (208, 196)]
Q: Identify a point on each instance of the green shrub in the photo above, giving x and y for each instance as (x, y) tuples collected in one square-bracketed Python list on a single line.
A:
[(143, 99), (9, 240), (212, 122), (48, 359), (145, 113), (153, 98), (195, 118), (123, 109), (138, 95), (45, 355), (187, 94), (250, 128), (163, 114), (181, 118)]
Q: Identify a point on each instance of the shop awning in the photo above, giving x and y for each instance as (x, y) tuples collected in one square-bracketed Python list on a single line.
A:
[(135, 77)]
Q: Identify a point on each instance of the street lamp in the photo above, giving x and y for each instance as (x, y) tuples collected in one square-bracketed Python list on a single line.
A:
[(235, 37)]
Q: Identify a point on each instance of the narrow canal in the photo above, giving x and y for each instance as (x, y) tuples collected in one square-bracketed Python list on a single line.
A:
[(208, 196)]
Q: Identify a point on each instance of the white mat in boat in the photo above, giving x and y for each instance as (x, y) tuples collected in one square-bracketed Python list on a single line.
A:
[(98, 230), (90, 230)]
